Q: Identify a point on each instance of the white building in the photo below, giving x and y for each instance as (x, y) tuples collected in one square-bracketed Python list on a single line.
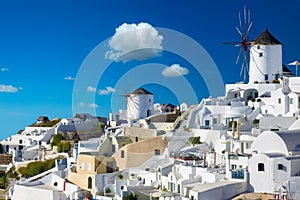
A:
[(275, 165)]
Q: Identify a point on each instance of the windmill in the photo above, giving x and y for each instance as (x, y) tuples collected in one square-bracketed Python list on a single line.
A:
[(243, 30), (128, 102)]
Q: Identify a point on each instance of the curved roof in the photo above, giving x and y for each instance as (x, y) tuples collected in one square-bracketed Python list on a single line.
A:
[(266, 38), (281, 142), (177, 175), (141, 91)]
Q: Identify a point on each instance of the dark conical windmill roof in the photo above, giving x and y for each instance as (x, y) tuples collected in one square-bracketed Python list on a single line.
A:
[(286, 71), (141, 91), (266, 38)]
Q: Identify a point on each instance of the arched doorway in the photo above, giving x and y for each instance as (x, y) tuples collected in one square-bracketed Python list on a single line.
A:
[(148, 113), (90, 183)]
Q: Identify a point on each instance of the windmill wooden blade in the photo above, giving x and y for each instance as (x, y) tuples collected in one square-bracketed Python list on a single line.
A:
[(243, 30), (248, 30), (238, 57), (234, 43), (239, 31)]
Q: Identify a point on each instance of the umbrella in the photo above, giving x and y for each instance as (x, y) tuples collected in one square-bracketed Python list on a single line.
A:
[(295, 63)]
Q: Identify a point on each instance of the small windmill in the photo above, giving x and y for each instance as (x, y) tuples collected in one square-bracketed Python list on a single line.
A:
[(243, 30), (128, 99)]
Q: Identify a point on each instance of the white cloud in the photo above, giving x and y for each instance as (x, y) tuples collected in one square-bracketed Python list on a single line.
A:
[(3, 69), (107, 91), (93, 105), (174, 71), (8, 88), (81, 104), (134, 42), (69, 78), (91, 89)]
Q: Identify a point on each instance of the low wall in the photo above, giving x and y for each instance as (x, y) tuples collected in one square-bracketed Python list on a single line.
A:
[(222, 191)]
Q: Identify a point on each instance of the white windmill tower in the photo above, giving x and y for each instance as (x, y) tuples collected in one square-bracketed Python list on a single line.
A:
[(139, 104), (265, 59)]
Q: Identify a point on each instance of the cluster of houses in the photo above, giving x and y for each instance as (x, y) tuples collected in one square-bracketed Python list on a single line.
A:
[(246, 141)]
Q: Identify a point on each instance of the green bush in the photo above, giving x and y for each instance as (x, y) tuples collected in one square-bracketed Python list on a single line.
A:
[(56, 140), (256, 121), (195, 140), (120, 176), (35, 168), (130, 197), (66, 147)]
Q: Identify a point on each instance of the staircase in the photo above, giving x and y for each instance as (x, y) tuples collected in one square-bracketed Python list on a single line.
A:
[(182, 120), (182, 124)]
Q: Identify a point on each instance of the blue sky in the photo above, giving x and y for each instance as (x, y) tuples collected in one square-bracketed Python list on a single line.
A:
[(43, 42)]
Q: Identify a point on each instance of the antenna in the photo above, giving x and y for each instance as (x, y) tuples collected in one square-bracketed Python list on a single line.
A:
[(244, 31)]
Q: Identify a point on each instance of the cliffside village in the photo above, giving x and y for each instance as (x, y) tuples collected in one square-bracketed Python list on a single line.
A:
[(245, 141)]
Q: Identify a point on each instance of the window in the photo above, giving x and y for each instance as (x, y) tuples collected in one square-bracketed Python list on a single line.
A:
[(206, 122), (281, 167), (247, 145), (279, 100), (81, 166), (89, 167), (233, 167), (260, 54), (258, 47), (20, 141), (266, 77), (298, 102), (261, 167), (122, 154), (55, 184), (113, 148), (215, 120), (192, 197), (291, 101), (156, 152)]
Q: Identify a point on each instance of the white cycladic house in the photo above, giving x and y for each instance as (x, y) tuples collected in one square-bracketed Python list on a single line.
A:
[(274, 165), (51, 187), (139, 104)]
